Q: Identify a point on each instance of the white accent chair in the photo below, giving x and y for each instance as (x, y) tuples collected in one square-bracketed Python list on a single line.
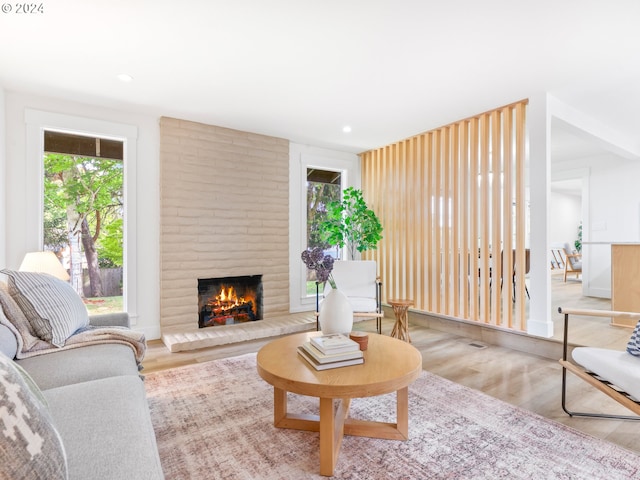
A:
[(359, 281), (614, 372)]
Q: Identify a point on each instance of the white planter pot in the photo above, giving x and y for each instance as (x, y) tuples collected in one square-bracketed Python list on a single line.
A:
[(336, 314)]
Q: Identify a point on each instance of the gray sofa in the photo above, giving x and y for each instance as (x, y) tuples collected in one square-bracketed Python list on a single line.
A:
[(96, 401)]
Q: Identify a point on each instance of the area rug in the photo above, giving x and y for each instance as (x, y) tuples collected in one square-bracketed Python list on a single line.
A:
[(214, 421)]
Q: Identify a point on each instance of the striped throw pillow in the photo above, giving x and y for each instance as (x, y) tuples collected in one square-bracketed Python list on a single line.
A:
[(52, 307), (633, 347)]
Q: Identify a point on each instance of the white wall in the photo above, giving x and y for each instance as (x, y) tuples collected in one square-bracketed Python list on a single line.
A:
[(566, 215), (614, 217), (3, 181), (614, 210), (20, 214)]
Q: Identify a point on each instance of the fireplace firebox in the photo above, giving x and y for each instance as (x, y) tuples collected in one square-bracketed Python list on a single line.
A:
[(229, 300)]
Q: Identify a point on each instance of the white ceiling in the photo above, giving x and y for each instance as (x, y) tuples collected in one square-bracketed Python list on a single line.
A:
[(303, 69)]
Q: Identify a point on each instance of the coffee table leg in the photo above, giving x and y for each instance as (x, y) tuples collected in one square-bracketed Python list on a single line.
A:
[(402, 411), (331, 424), (328, 453), (331, 432), (279, 406)]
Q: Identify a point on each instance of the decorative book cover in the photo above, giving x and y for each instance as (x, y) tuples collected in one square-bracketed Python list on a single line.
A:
[(335, 357), (326, 366), (334, 343)]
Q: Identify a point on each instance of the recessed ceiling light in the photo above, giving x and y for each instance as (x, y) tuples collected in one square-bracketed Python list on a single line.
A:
[(123, 77), (346, 129)]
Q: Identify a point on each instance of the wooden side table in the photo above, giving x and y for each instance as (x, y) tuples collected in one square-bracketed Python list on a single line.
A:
[(401, 327)]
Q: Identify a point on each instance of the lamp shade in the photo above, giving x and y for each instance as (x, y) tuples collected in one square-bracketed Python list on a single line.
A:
[(44, 262)]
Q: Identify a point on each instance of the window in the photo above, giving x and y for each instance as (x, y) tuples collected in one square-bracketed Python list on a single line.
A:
[(304, 160), (323, 187), (83, 214), (38, 122)]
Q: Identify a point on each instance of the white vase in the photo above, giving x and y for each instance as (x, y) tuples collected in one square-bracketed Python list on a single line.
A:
[(336, 314)]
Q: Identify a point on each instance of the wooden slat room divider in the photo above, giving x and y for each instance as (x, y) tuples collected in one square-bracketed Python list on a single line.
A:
[(453, 207)]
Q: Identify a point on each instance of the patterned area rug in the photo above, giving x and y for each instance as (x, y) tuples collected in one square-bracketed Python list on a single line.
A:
[(214, 421)]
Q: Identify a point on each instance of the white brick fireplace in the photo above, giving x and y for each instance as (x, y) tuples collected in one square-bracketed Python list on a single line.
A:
[(224, 212)]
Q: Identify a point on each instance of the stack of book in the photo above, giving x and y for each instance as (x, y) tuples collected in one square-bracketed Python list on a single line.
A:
[(331, 351)]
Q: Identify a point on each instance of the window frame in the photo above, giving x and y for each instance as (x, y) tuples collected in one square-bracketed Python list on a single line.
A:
[(303, 157), (37, 123)]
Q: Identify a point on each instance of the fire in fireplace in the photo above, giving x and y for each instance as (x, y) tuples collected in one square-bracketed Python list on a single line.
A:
[(229, 300)]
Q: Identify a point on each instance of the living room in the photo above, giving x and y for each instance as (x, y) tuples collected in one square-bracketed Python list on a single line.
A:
[(287, 81)]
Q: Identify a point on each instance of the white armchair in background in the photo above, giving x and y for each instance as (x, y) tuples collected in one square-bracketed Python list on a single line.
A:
[(358, 280)]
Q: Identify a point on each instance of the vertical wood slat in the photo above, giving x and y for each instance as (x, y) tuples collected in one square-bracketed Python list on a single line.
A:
[(389, 243), (381, 187), (396, 204), (455, 219), (507, 142), (421, 284), (393, 212), (466, 275), (407, 243), (437, 227), (501, 280), (414, 221), (444, 220), (521, 210), (446, 224), (485, 252), (398, 216), (428, 244), (474, 233)]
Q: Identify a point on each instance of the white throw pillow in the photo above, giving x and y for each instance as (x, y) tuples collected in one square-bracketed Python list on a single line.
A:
[(52, 307), (30, 446)]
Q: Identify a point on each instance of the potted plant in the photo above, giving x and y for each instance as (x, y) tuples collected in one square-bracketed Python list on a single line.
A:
[(351, 222)]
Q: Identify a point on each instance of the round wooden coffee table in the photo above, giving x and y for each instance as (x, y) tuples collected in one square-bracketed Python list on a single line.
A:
[(390, 365)]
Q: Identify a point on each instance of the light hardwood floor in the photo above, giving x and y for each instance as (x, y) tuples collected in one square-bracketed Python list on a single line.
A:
[(526, 380), (584, 330)]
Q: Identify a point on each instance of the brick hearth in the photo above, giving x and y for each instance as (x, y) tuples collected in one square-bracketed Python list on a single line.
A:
[(181, 338)]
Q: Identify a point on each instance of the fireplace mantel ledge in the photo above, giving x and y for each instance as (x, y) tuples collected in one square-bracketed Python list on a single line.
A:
[(179, 338)]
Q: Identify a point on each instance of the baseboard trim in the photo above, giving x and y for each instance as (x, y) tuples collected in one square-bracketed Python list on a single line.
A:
[(520, 341)]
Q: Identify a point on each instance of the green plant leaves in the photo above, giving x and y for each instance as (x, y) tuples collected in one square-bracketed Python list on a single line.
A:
[(351, 222)]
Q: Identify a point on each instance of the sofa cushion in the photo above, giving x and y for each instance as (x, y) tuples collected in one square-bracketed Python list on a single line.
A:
[(616, 366), (106, 427), (633, 347), (8, 342), (112, 319), (75, 365), (52, 307), (30, 446), (15, 316)]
